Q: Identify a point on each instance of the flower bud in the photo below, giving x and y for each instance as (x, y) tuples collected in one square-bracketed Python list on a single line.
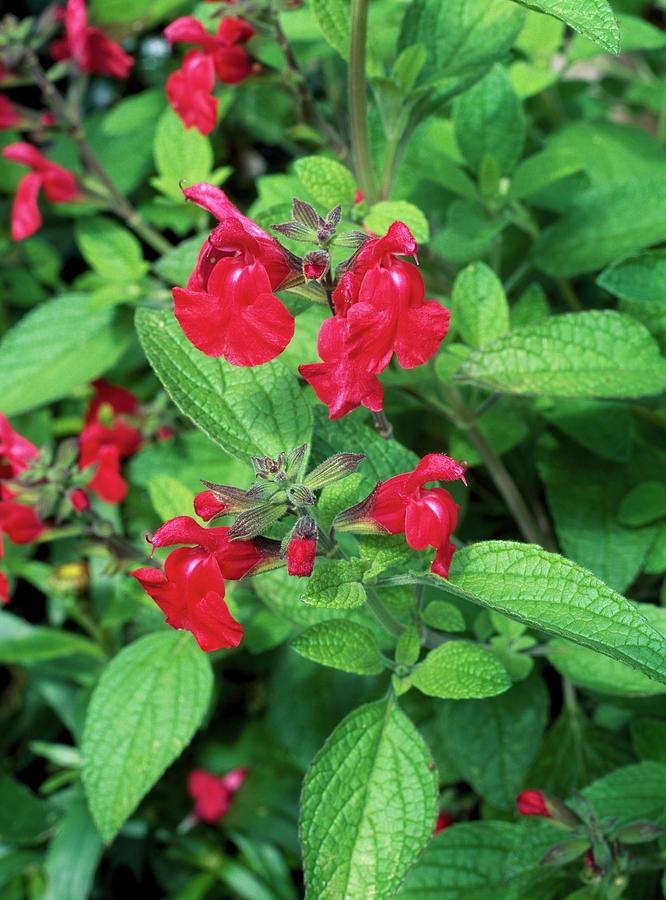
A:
[(221, 498), (639, 832), (565, 852), (444, 820), (79, 499), (333, 469), (537, 803), (255, 521), (302, 548), (299, 495)]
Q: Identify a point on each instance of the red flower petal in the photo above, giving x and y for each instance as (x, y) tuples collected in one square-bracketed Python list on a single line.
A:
[(210, 794), (435, 467), (188, 90), (26, 217)]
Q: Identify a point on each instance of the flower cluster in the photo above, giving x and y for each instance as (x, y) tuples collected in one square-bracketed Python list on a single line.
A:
[(222, 56), (229, 307)]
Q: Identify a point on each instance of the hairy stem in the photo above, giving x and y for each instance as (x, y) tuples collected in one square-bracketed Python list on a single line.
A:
[(120, 205), (358, 105), (385, 618), (382, 425)]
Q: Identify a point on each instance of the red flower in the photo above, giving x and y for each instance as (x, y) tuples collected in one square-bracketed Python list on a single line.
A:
[(21, 525), (79, 500), (301, 554), (533, 803), (444, 820), (105, 445), (228, 308), (230, 60), (88, 46), (16, 452), (59, 186), (382, 301), (427, 516), (212, 794), (9, 117), (190, 591), (4, 588), (188, 90), (207, 505)]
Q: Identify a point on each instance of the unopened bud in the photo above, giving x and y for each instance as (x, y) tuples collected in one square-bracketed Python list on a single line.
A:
[(638, 832), (336, 467), (295, 459), (302, 548), (79, 499), (538, 803), (300, 495), (221, 498), (351, 239), (268, 468), (255, 521), (565, 852)]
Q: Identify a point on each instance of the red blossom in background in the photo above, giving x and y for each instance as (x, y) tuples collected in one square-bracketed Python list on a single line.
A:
[(189, 89), (104, 444), (58, 184), (190, 591), (9, 117), (380, 309), (212, 795), (444, 820), (88, 46), (228, 308), (426, 516), (533, 803)]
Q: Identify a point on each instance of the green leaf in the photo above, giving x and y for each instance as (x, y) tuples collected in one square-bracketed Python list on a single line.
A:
[(585, 509), (599, 673), (335, 583), (73, 855), (140, 12), (383, 551), (551, 593), (328, 181), (460, 669), (24, 818), (640, 283), (382, 215), (443, 616), (489, 119), (150, 700), (634, 792), (55, 348), (586, 354), (170, 497), (369, 805), (481, 860), (246, 410), (463, 38), (181, 154), (333, 18), (494, 742), (601, 225), (177, 265), (604, 428), (479, 308), (24, 644), (340, 644), (643, 504), (593, 18), (111, 250), (541, 170), (648, 738)]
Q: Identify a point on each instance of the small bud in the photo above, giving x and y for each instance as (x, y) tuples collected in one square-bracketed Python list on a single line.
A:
[(537, 803), (565, 852), (316, 264), (164, 433), (67, 454), (79, 500), (270, 469), (225, 498), (638, 832), (359, 196), (336, 467), (444, 820), (295, 459), (351, 239), (302, 548), (334, 216), (357, 519)]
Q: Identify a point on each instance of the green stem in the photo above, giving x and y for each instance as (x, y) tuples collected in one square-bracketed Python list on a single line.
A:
[(382, 425), (358, 106), (385, 618), (570, 296), (500, 475)]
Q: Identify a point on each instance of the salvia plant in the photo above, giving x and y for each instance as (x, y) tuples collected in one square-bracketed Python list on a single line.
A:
[(333, 449)]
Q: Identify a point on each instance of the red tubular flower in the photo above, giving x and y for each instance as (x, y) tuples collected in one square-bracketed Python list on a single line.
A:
[(88, 46), (225, 48), (212, 794), (444, 820), (9, 117), (189, 91), (19, 522), (301, 555), (207, 505), (533, 803), (59, 186), (104, 445), (79, 500), (16, 452), (427, 516), (228, 308), (190, 591), (381, 300)]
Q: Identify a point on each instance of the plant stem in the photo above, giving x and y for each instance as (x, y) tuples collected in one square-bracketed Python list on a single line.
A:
[(382, 425), (500, 475), (385, 618), (570, 296), (358, 106), (119, 203)]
